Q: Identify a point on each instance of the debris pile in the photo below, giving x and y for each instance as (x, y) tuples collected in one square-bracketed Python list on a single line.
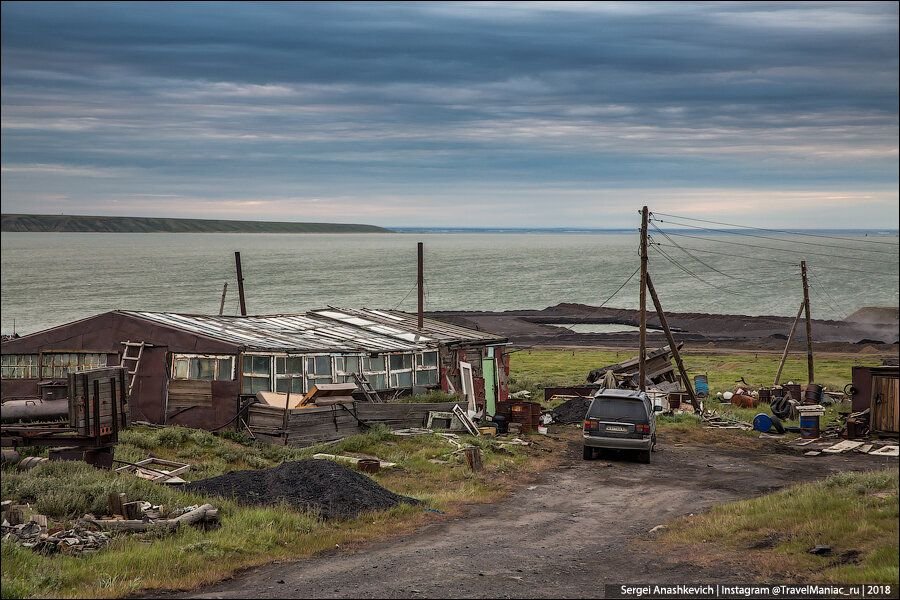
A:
[(571, 411), (75, 541), (659, 368), (322, 486)]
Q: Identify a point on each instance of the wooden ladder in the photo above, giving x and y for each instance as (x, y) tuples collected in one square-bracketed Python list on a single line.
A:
[(131, 362), (366, 388)]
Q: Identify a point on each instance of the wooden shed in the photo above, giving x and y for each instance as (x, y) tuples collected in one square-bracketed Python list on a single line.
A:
[(878, 389), (202, 370)]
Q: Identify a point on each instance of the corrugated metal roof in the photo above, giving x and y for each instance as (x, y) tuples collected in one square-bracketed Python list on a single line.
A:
[(332, 330), (407, 323)]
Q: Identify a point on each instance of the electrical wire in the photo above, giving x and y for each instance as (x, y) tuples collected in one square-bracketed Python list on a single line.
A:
[(772, 260), (704, 263), (404, 297), (783, 241), (803, 233), (691, 273), (757, 246)]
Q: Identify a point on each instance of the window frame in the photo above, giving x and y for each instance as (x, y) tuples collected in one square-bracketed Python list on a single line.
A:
[(292, 376), (33, 367), (189, 356), (393, 374), (432, 370), (247, 377), (80, 364)]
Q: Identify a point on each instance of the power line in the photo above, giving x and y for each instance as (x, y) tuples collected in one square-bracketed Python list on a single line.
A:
[(766, 237), (757, 246), (691, 273), (817, 235), (405, 297), (772, 260), (704, 263)]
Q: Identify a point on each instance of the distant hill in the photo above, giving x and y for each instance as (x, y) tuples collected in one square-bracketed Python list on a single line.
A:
[(78, 223)]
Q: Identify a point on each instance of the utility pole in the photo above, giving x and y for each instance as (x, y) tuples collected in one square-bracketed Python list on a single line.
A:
[(672, 345), (788, 344), (642, 356), (809, 352), (222, 303), (240, 282), (420, 282)]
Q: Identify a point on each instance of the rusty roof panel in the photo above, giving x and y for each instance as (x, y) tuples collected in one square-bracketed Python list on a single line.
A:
[(284, 332), (407, 325)]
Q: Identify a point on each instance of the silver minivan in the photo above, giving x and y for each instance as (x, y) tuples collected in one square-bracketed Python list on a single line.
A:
[(620, 420)]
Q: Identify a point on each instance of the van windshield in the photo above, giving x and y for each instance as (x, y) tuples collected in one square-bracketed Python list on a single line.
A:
[(614, 409)]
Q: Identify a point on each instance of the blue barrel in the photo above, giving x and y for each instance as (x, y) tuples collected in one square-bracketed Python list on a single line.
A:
[(701, 385), (762, 422), (809, 426)]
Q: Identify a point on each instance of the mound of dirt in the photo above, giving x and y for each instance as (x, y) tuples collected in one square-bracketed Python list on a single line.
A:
[(325, 487), (571, 411)]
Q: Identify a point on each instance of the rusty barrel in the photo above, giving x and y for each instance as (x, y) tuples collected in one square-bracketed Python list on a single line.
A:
[(368, 465), (813, 394), (765, 395)]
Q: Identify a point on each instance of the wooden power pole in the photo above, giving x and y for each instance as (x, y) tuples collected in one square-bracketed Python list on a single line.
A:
[(788, 344), (642, 355), (240, 282), (420, 283), (672, 345), (809, 351), (222, 303)]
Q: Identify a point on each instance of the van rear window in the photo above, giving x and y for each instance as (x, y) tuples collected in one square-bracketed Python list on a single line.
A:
[(615, 409)]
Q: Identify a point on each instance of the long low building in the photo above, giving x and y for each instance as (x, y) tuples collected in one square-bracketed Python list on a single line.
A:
[(199, 370)]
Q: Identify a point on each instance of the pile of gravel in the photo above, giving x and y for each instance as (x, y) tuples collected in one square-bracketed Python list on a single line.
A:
[(323, 486), (571, 411)]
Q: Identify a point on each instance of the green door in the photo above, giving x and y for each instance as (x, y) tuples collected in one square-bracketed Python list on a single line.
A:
[(490, 382)]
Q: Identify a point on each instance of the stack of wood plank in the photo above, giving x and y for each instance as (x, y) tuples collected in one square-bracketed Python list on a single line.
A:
[(311, 425)]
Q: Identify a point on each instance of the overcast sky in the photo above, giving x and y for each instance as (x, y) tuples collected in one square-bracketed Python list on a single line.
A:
[(483, 114)]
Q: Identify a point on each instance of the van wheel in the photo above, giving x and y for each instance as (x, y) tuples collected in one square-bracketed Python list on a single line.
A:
[(588, 453), (644, 456)]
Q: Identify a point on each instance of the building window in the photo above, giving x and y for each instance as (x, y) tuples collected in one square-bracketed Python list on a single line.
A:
[(257, 374), (345, 367), (375, 370), (401, 370), (58, 365), (203, 367), (427, 368), (19, 366), (318, 370), (289, 373)]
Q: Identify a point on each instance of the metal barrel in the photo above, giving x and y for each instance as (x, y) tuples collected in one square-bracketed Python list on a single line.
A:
[(701, 385), (765, 395), (813, 394), (809, 426), (31, 462)]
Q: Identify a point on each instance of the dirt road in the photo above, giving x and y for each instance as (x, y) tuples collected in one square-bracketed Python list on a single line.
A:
[(564, 536)]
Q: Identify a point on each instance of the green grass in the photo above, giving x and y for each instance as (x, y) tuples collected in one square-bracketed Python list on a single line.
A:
[(534, 370), (854, 513), (248, 536)]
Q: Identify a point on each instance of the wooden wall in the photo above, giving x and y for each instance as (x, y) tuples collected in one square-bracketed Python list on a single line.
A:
[(308, 426)]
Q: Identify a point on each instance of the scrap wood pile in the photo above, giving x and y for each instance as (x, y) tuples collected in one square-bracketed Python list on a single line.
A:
[(659, 368), (321, 486), (75, 541), (717, 421), (89, 533)]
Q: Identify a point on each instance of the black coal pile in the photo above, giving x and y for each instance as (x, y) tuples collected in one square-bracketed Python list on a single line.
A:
[(571, 411), (325, 487)]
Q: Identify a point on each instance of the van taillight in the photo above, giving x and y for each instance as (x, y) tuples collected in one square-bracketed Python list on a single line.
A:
[(590, 425), (642, 428)]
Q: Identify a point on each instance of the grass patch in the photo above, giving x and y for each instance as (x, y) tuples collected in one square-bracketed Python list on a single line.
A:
[(249, 536), (534, 370), (854, 513)]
